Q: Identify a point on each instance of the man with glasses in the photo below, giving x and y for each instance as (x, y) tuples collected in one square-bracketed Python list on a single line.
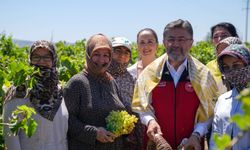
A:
[(174, 94)]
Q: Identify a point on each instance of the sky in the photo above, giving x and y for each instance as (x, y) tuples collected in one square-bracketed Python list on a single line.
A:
[(72, 20)]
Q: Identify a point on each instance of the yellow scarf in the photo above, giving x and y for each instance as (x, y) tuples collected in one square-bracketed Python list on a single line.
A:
[(215, 71), (200, 77)]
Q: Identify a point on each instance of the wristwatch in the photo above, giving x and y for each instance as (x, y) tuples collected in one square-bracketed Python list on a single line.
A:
[(197, 135)]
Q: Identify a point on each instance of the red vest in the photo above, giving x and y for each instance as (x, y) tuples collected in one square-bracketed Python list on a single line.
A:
[(175, 107)]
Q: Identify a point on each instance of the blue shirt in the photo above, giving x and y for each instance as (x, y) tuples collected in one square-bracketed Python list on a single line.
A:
[(227, 106)]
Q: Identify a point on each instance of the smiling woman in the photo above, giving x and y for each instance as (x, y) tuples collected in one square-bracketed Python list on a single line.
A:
[(90, 96), (147, 42)]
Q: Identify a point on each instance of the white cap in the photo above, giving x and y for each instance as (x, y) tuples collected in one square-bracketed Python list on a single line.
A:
[(121, 41)]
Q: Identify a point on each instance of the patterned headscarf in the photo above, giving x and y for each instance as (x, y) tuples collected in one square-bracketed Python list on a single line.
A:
[(117, 69), (45, 95), (96, 42), (226, 42), (238, 78)]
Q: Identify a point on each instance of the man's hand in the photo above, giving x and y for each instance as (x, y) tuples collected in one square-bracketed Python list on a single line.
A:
[(153, 128), (161, 143), (192, 143)]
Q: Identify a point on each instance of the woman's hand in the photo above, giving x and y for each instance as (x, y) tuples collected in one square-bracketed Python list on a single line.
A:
[(104, 136)]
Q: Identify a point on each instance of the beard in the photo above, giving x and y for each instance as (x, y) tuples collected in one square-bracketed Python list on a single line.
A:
[(176, 54)]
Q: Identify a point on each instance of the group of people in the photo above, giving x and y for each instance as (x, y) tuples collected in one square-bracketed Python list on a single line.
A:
[(176, 97)]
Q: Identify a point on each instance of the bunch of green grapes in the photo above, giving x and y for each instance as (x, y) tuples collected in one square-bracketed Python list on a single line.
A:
[(120, 122)]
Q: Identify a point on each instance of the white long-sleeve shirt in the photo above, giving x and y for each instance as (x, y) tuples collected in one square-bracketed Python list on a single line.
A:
[(50, 135)]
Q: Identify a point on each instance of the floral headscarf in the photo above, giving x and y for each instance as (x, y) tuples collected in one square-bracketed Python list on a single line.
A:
[(226, 42), (45, 95), (238, 78), (96, 42)]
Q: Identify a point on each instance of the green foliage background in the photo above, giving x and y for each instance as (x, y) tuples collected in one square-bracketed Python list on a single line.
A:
[(14, 65)]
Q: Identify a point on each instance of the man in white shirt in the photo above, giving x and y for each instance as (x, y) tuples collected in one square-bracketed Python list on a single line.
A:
[(174, 95)]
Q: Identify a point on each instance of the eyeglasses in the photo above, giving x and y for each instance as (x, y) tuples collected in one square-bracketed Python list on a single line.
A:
[(37, 58), (121, 52), (179, 40)]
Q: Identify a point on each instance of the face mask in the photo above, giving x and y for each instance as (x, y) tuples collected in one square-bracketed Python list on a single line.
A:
[(238, 78), (117, 69)]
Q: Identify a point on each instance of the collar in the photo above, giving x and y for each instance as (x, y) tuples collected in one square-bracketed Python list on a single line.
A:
[(176, 74), (184, 64)]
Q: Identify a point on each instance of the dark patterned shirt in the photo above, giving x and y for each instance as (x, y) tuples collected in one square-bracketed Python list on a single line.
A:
[(126, 85)]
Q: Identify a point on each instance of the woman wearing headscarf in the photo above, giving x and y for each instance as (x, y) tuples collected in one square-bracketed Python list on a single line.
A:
[(122, 51), (213, 65), (90, 96), (234, 64), (47, 100)]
